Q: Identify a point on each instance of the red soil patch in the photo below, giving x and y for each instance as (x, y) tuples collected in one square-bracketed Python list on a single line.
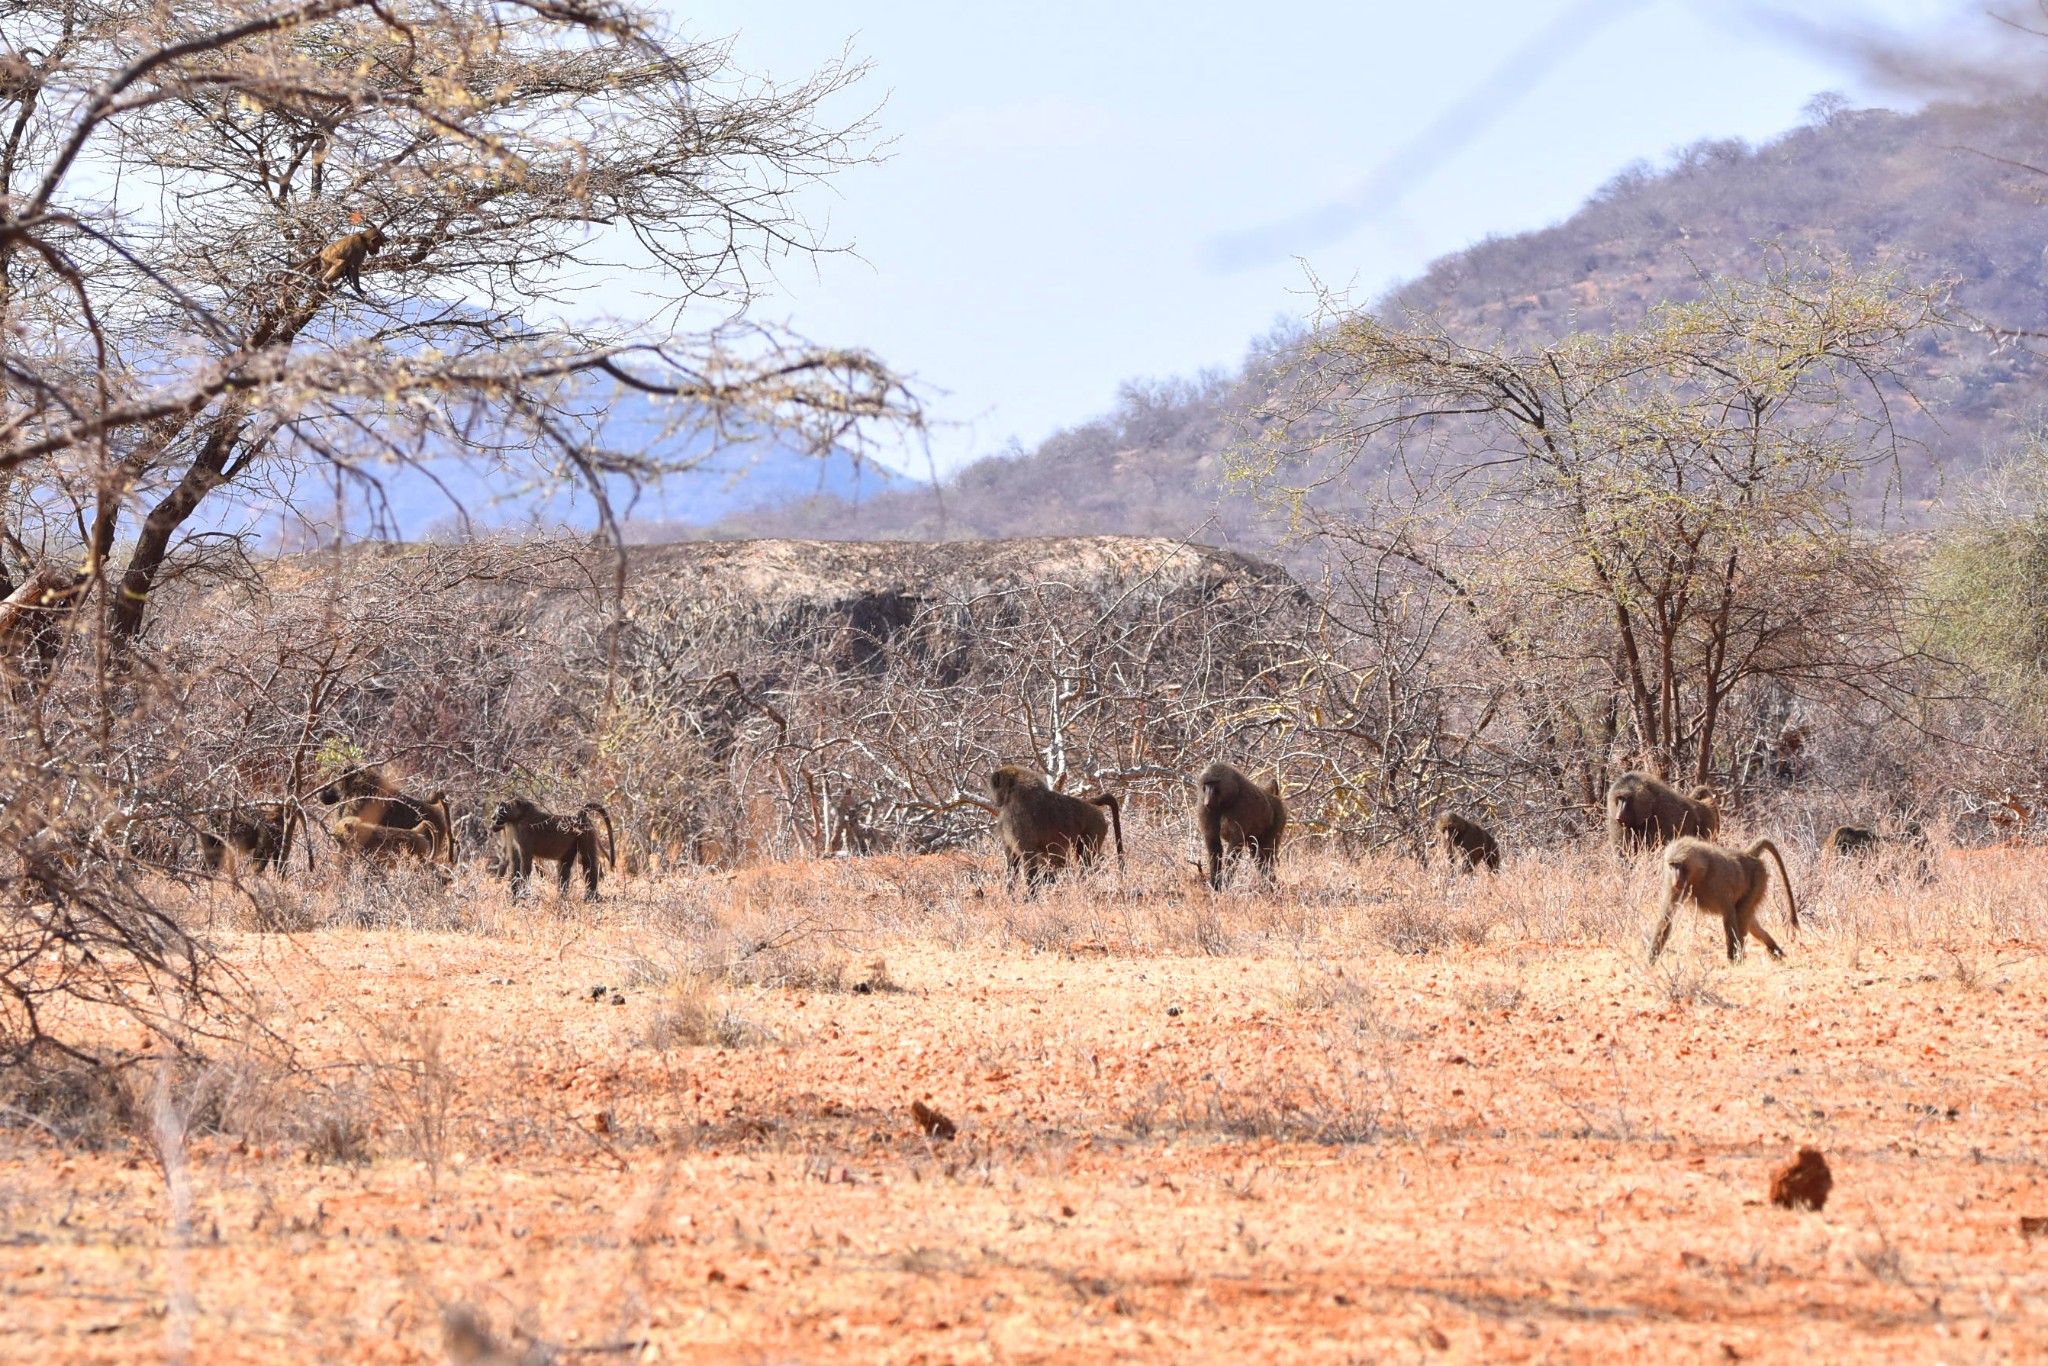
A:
[(1500, 1152)]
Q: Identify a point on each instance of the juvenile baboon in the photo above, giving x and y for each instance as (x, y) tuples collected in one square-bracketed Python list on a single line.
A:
[(1851, 841), (1466, 844), (386, 842), (1729, 883), (1236, 812), (525, 833), (1644, 813), (1043, 830), (255, 835), (366, 794), (342, 260)]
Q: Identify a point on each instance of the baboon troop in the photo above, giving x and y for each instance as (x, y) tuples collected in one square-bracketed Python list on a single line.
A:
[(1729, 883), (1646, 813), (257, 836), (1466, 845), (1044, 831), (373, 799), (1236, 814), (525, 832)]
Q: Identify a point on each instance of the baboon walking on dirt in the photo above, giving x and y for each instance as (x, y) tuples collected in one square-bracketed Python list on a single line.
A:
[(1043, 831), (527, 832), (1646, 813), (1729, 883), (1237, 814)]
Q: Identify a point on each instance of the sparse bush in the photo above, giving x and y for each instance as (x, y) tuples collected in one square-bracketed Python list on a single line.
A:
[(75, 1100)]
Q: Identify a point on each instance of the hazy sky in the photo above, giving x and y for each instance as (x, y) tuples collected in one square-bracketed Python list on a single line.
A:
[(1082, 193)]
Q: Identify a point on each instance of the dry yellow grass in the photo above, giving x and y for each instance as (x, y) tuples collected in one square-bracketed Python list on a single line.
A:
[(1381, 1114)]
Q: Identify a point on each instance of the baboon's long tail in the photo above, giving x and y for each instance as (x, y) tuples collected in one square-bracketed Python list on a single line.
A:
[(1116, 821), (444, 833), (1784, 878), (611, 848)]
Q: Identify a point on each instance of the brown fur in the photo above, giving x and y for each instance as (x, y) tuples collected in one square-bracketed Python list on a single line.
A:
[(1851, 841), (257, 835), (1644, 813), (1466, 844), (1802, 1183), (1043, 830), (342, 260), (369, 796), (1729, 883), (526, 832), (1239, 815), (386, 843)]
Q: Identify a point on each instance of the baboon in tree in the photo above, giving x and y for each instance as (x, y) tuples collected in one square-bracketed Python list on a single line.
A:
[(1043, 830), (1235, 812), (386, 842), (1851, 841), (256, 835), (369, 796), (1645, 813), (1467, 844), (525, 832), (341, 261), (1729, 883)]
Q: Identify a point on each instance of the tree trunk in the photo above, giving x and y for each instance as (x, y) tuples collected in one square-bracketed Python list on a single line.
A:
[(153, 546)]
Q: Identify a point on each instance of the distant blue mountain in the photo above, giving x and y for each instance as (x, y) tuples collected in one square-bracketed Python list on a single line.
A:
[(451, 496)]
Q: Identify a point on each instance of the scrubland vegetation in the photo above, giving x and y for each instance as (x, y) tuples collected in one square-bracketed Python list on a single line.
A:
[(1386, 1110)]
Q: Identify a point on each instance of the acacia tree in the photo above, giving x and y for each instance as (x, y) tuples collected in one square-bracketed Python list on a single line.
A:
[(250, 248), (238, 240), (1641, 524)]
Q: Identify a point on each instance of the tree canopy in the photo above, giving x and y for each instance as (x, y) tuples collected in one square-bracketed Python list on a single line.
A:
[(243, 241)]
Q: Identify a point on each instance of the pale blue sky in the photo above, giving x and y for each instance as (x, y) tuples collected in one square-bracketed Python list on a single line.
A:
[(1081, 193)]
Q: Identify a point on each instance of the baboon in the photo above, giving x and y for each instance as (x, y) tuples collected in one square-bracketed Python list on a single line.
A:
[(374, 799), (342, 260), (386, 842), (1729, 883), (1644, 813), (525, 833), (1235, 811), (256, 835), (1467, 844), (1851, 841), (1043, 830)]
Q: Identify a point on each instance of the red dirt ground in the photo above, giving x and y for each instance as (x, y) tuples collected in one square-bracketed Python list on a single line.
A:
[(1504, 1151)]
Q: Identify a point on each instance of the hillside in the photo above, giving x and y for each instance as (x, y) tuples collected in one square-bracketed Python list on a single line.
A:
[(1944, 194)]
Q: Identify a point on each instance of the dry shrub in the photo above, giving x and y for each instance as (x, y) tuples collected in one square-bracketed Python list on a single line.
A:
[(798, 955), (83, 1101), (243, 1085), (1322, 988), (691, 1016), (1686, 975), (415, 1086), (1489, 994), (334, 1124), (1347, 1089)]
